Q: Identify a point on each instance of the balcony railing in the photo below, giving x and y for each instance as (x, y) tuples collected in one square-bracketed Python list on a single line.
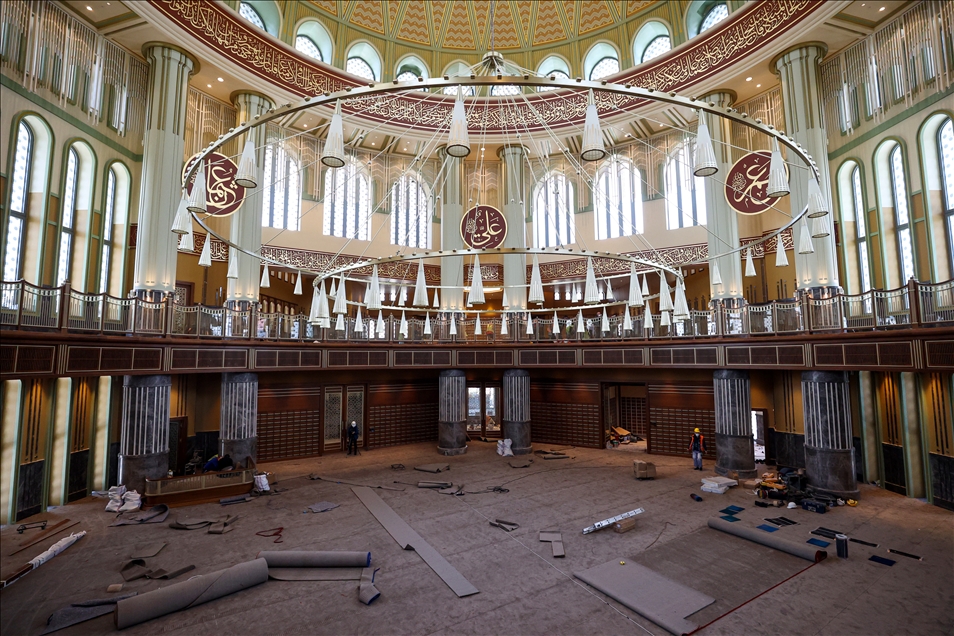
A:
[(27, 307)]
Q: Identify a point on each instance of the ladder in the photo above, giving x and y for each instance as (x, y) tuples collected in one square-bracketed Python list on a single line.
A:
[(599, 525)]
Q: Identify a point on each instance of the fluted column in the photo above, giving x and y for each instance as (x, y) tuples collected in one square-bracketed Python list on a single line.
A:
[(246, 224), (452, 407), (735, 448), (452, 211), (514, 198), (144, 438), (722, 221), (515, 423), (238, 434), (801, 100), (161, 185), (829, 456)]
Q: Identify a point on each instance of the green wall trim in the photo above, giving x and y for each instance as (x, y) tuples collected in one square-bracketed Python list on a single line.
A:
[(6, 82), (885, 125)]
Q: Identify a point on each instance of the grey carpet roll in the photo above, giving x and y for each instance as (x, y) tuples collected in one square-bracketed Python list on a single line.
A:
[(195, 591), (367, 593), (769, 539), (315, 559), (315, 574)]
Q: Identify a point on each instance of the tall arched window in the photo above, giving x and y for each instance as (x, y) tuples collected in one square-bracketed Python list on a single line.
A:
[(716, 14), (68, 217), (307, 46), (281, 194), (248, 12), (19, 190), (861, 229), (457, 69), (652, 40), (659, 45), (685, 193), (945, 151), (555, 67), (410, 213), (347, 202), (618, 204), (313, 40), (410, 69), (604, 68), (600, 61), (553, 220), (357, 66), (899, 191)]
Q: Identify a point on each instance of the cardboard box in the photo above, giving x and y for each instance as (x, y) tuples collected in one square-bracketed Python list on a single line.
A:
[(644, 470), (624, 525)]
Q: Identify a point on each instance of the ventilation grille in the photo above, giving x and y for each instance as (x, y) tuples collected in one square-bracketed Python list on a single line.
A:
[(282, 358), (685, 356), (485, 358), (547, 357), (422, 358)]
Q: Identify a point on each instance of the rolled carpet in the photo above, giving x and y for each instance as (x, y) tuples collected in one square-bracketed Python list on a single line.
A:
[(800, 550), (315, 559), (195, 591)]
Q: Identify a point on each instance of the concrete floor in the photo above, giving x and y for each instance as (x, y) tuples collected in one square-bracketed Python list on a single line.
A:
[(523, 590)]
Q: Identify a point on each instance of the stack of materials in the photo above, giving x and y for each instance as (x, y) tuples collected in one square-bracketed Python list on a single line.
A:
[(717, 485), (644, 470)]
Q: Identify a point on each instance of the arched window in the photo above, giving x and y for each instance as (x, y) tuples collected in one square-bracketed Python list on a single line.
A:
[(410, 69), (716, 14), (363, 60), (604, 68), (457, 69), (247, 11), (553, 66), (357, 66), (19, 191), (899, 191), (652, 40), (504, 90), (685, 193), (861, 229), (410, 213), (109, 214), (307, 46), (618, 204), (68, 217), (347, 202), (945, 151), (553, 221), (313, 40), (281, 194), (660, 44), (600, 61)]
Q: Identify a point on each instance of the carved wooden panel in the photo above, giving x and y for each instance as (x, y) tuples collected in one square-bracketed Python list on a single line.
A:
[(940, 354), (685, 356), (547, 357), (27, 359), (411, 358), (485, 358)]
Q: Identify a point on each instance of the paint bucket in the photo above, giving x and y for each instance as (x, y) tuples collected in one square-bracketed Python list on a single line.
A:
[(841, 545)]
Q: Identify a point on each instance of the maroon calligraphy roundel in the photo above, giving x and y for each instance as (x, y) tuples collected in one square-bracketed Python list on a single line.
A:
[(746, 183), (223, 195), (483, 227)]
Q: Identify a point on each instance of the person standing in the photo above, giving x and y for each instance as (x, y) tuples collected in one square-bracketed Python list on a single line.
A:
[(697, 444), (353, 438)]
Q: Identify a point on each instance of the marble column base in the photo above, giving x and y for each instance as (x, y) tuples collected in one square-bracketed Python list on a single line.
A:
[(240, 450), (735, 453), (452, 438), (134, 470), (831, 471), (519, 435)]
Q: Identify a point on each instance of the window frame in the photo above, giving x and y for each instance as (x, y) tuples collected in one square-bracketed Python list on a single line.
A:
[(947, 195), (696, 189), (336, 221), (543, 234), (67, 233), (248, 5), (705, 17), (600, 61), (902, 230), (363, 61), (311, 41), (269, 191), (110, 192), (401, 191), (643, 59), (20, 215), (862, 253), (609, 176)]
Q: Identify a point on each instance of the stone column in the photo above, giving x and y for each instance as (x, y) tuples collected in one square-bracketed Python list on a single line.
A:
[(735, 448), (829, 456), (452, 418), (246, 224), (723, 221), (161, 185), (514, 197), (515, 423), (801, 100), (870, 445), (144, 438), (452, 211), (914, 460), (238, 435)]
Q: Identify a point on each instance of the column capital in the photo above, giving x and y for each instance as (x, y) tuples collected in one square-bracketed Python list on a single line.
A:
[(186, 56), (816, 50), (513, 150), (722, 97), (246, 99)]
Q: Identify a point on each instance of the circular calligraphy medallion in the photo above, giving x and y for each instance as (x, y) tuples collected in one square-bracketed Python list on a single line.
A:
[(483, 227), (746, 183), (223, 195)]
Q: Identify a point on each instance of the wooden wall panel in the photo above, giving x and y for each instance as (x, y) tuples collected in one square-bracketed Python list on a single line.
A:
[(565, 413), (402, 413), (674, 411)]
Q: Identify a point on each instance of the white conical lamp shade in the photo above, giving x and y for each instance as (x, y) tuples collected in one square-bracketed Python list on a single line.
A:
[(265, 283), (781, 258), (604, 324), (341, 298), (664, 320), (332, 154), (403, 327), (504, 321), (820, 227), (402, 296), (476, 295), (420, 288), (647, 318), (340, 323), (358, 321), (373, 299), (205, 258), (627, 320), (609, 291), (591, 293), (635, 293), (333, 290), (536, 283), (182, 224), (580, 325), (556, 323), (197, 201), (681, 307), (645, 286), (529, 324), (297, 291), (705, 159), (778, 179), (437, 300), (458, 140), (321, 312), (382, 329), (427, 324), (187, 242), (804, 239), (453, 326), (505, 302), (247, 174), (665, 300), (233, 263), (817, 205), (477, 326), (749, 265), (715, 274), (593, 149), (313, 313)]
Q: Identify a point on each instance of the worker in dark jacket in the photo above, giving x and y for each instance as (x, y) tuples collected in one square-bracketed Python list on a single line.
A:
[(353, 438), (697, 444)]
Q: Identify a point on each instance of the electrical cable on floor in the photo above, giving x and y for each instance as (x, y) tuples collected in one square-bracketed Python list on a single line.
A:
[(569, 577)]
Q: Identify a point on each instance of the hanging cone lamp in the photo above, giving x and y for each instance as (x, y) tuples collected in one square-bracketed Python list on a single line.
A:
[(505, 302), (402, 296), (665, 300), (233, 263), (381, 328), (705, 159), (420, 288), (609, 291), (313, 313), (820, 227), (556, 323), (647, 318), (373, 297), (580, 325), (817, 205), (341, 299), (591, 293), (453, 325), (183, 221), (187, 242), (197, 202), (604, 324), (504, 321), (715, 274), (205, 258), (627, 320), (681, 307), (476, 295), (804, 239), (645, 286), (340, 323), (333, 291), (529, 324), (749, 265), (403, 328), (358, 322), (536, 283), (635, 293), (458, 140), (778, 179), (332, 154), (437, 301), (247, 176), (593, 149), (477, 327), (427, 324), (297, 291), (322, 314), (781, 258), (265, 283), (664, 320)]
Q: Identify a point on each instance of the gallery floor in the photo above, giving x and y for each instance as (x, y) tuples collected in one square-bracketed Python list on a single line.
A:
[(523, 589)]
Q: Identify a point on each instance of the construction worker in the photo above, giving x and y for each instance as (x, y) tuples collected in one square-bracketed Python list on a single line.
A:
[(353, 438), (697, 444)]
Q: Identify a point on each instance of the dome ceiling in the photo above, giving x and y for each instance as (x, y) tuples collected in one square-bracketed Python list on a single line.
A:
[(466, 25)]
